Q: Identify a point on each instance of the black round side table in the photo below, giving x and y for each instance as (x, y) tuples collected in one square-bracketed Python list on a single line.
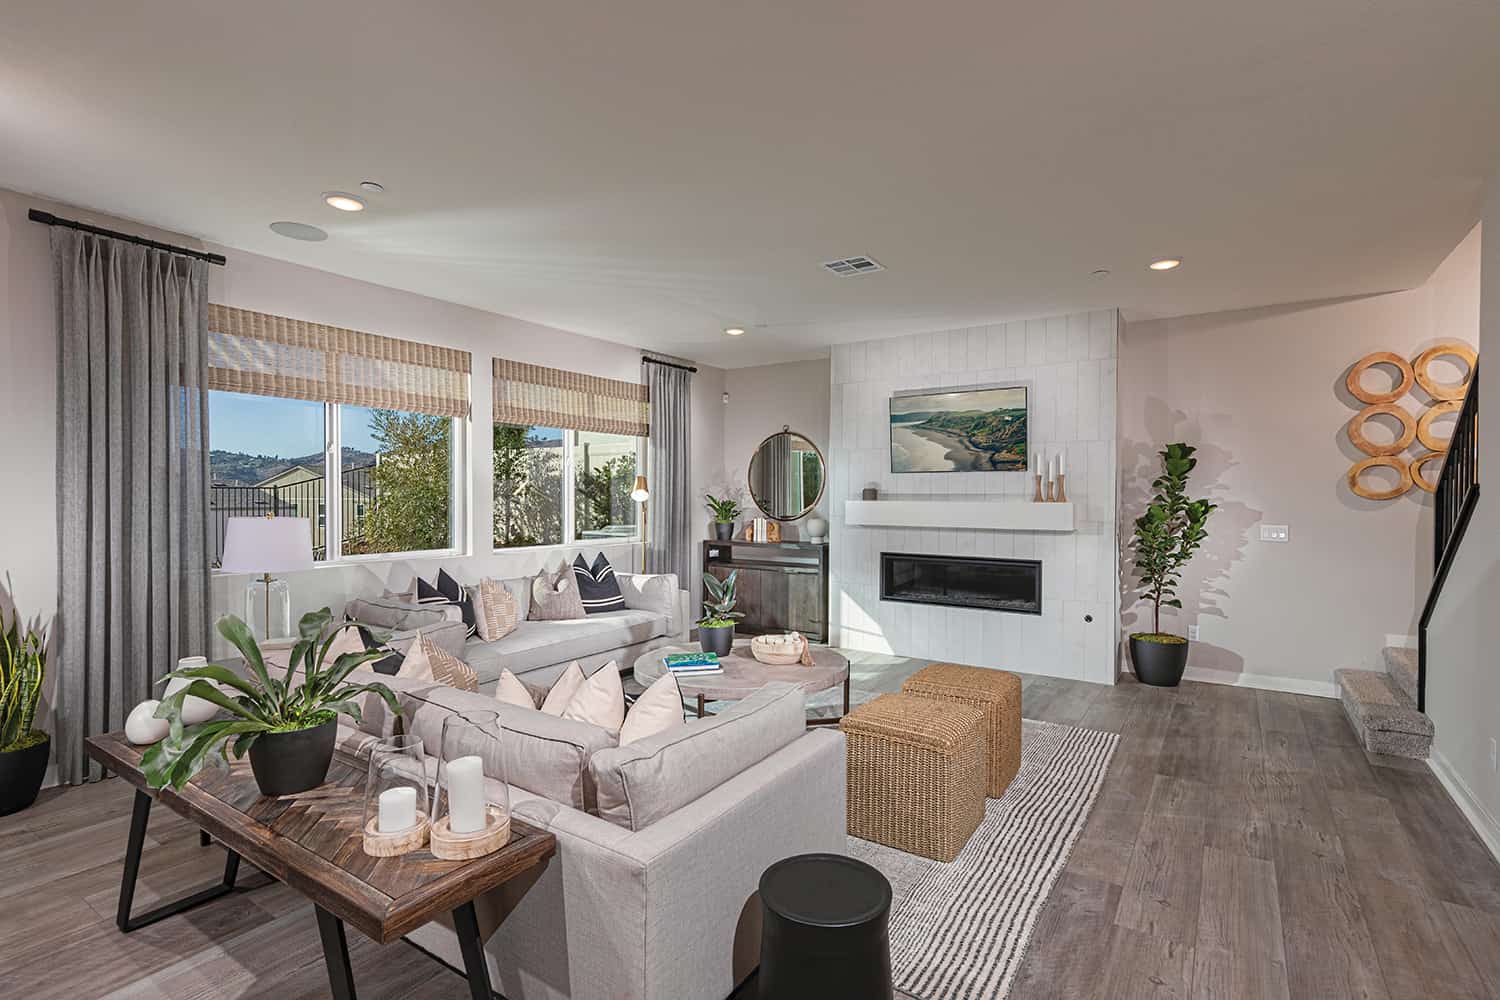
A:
[(825, 930)]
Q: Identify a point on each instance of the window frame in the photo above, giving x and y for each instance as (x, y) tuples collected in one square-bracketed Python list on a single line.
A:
[(332, 514), (569, 499)]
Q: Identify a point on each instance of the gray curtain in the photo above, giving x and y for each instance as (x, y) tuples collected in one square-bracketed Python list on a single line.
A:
[(669, 536), (132, 485)]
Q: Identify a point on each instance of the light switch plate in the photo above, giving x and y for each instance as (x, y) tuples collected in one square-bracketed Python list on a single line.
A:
[(1275, 533), (1193, 633)]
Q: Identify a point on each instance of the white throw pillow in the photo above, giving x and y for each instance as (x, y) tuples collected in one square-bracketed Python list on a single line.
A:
[(513, 692), (600, 700), (416, 666), (345, 640), (658, 709), (563, 689)]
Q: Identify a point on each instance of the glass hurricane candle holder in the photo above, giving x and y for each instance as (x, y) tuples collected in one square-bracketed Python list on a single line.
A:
[(396, 818), (471, 800)]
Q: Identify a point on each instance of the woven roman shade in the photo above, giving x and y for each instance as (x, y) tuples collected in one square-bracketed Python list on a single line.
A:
[(269, 355), (532, 395)]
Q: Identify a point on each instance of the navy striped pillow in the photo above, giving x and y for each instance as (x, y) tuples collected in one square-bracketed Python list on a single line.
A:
[(597, 585)]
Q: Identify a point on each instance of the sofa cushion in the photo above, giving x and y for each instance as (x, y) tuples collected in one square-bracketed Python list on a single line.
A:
[(563, 689), (392, 614), (597, 586), (554, 596), (654, 777), (495, 609), (540, 644), (599, 700)]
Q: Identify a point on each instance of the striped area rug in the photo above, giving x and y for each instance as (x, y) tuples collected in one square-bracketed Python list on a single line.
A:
[(959, 930)]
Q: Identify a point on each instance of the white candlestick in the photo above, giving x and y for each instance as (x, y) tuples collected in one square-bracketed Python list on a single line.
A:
[(1036, 462), (466, 803), (1061, 456), (1052, 468), (398, 809)]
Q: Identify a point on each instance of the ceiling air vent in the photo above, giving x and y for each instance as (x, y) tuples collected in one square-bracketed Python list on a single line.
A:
[(848, 267)]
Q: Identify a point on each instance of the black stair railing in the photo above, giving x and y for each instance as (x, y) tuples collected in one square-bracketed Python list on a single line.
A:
[(1457, 495)]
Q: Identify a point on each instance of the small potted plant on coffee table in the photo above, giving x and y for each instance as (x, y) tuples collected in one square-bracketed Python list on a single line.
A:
[(288, 729), (1166, 536), (716, 627), (23, 750), (725, 511)]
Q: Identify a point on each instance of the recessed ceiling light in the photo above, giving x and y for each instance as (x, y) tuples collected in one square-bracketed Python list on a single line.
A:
[(299, 231), (734, 331), (373, 187), (343, 202), (1165, 264)]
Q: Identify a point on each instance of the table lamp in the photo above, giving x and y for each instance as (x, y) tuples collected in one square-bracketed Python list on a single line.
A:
[(640, 495), (267, 545)]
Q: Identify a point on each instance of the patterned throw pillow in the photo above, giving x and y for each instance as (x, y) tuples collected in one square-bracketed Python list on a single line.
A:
[(597, 586), (554, 596), (426, 660), (495, 610), (447, 591)]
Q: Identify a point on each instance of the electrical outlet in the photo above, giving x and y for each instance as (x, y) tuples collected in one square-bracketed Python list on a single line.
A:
[(1494, 756), (1275, 533), (1193, 633)]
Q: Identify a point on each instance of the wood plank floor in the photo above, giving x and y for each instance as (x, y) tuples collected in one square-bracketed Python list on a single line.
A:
[(1243, 846)]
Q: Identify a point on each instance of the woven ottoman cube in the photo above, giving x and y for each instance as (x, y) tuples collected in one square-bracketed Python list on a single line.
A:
[(998, 694), (916, 773)]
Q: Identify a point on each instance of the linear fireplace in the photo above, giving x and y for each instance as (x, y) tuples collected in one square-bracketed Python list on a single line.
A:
[(962, 582)]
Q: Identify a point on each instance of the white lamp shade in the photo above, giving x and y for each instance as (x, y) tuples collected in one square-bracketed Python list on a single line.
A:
[(267, 545), (639, 493)]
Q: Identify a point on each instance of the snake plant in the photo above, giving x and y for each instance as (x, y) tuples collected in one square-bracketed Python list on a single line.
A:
[(258, 703), (23, 665)]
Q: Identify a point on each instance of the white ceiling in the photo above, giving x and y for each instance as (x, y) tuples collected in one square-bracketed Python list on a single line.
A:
[(651, 172)]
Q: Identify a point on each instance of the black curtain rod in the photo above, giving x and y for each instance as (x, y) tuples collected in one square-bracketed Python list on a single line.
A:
[(48, 219), (669, 364)]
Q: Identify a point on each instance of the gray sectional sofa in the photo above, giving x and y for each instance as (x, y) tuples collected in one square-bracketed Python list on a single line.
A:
[(660, 844), (656, 614)]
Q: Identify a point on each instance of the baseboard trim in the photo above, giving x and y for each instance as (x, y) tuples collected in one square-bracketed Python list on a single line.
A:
[(1265, 682), (1479, 817)]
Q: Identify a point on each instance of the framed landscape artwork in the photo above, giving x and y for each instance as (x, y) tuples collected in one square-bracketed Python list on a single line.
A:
[(960, 430)]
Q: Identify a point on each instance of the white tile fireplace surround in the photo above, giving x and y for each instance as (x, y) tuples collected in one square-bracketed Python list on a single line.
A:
[(1069, 362)]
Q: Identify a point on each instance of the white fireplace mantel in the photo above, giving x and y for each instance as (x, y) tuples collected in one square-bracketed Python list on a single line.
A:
[(981, 515)]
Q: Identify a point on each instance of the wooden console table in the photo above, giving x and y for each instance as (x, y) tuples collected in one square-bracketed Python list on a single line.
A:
[(783, 586), (311, 842)]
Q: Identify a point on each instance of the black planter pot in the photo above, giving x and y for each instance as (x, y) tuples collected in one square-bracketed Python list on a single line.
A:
[(288, 763), (724, 531), (21, 774), (716, 640), (1158, 663)]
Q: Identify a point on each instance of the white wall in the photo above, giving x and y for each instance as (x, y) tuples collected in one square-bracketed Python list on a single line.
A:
[(1070, 363), (762, 400), (1261, 393), (28, 401), (1463, 682)]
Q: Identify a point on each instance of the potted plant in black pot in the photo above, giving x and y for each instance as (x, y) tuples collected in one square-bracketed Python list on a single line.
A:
[(1166, 536), (716, 627), (23, 750), (287, 728), (725, 511)]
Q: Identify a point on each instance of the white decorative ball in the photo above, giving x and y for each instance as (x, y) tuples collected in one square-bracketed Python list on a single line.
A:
[(194, 710), (140, 726)]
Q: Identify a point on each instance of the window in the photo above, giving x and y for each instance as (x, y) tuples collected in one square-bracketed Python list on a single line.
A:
[(396, 472), (552, 485)]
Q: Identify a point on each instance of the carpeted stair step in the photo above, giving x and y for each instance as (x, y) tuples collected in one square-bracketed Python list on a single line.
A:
[(1401, 664), (1386, 720)]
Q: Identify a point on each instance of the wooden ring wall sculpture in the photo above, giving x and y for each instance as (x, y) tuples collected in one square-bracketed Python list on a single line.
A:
[(1424, 424), (1434, 388), (1364, 364), (1390, 462), (1418, 480), (1364, 444)]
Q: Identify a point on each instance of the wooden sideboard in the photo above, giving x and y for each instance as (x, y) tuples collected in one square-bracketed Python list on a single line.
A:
[(782, 585)]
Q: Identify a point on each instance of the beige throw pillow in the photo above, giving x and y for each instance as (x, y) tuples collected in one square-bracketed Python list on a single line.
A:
[(495, 610), (447, 668), (658, 709), (554, 596), (345, 640), (599, 700), (563, 689), (511, 691)]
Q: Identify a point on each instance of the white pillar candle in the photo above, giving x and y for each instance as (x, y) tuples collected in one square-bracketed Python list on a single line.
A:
[(398, 809), (1061, 457), (466, 805), (1052, 468)]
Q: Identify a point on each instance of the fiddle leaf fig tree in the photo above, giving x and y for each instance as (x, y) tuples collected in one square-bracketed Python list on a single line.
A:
[(1169, 532)]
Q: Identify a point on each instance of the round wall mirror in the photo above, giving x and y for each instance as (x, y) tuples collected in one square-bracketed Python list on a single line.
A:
[(786, 475)]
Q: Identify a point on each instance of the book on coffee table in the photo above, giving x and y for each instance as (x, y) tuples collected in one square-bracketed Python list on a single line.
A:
[(692, 664)]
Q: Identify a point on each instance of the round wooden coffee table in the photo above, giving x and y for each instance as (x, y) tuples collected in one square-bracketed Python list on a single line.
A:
[(744, 675)]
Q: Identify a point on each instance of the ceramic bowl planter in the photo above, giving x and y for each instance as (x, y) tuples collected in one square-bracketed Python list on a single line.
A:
[(288, 763), (724, 531), (21, 774), (716, 640), (1159, 659)]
